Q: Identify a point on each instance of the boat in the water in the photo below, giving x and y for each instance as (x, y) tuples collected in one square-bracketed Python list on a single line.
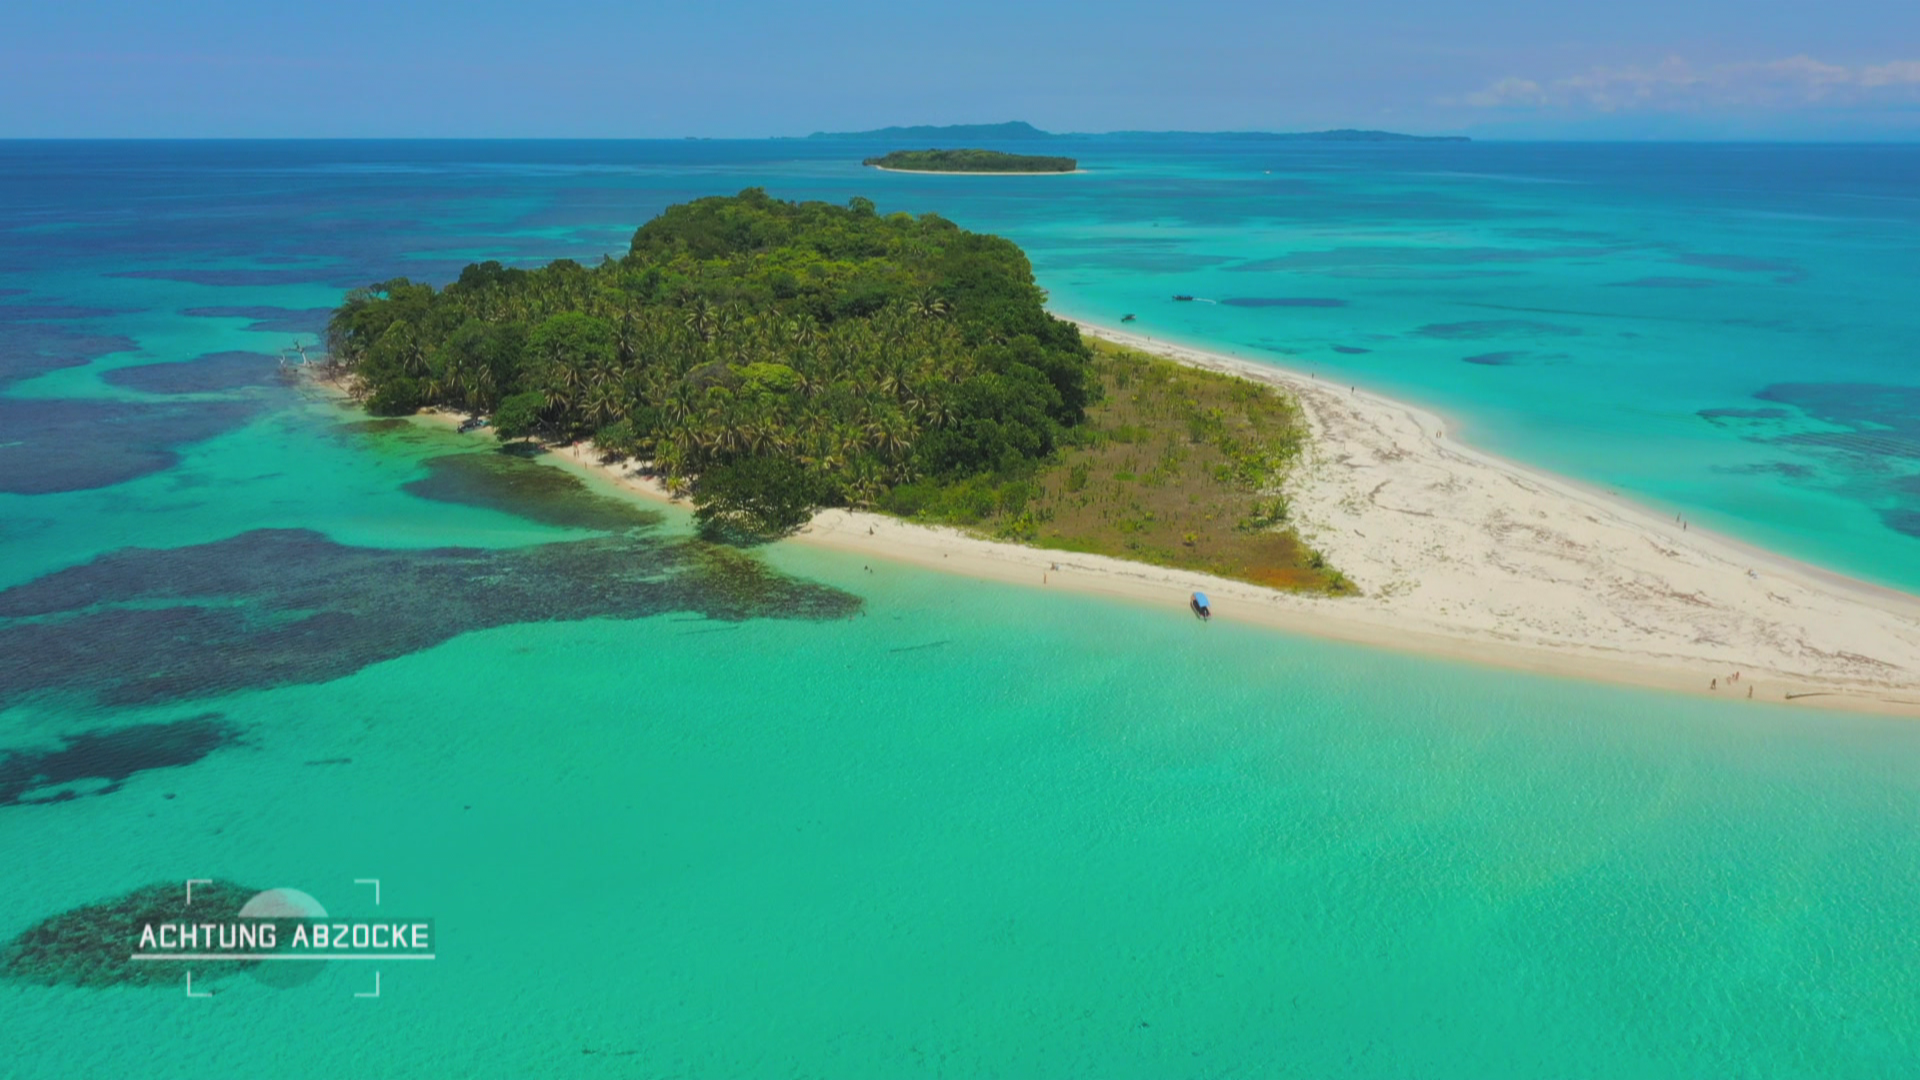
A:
[(1201, 606), (1178, 296), (1126, 318)]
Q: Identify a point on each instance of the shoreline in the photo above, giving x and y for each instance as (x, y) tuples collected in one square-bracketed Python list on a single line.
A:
[(1443, 425), (1466, 556), (1446, 427)]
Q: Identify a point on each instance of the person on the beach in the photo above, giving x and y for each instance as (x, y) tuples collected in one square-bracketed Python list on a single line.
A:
[(1715, 685)]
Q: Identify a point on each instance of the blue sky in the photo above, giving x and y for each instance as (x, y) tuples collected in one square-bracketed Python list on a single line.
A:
[(743, 68)]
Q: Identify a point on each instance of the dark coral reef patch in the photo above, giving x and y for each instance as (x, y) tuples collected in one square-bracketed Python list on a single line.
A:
[(1715, 415), (90, 945), (1786, 273), (1881, 422), (211, 373), (108, 758), (70, 444), (1792, 470), (1870, 437), (31, 349), (277, 607), (504, 482), (12, 313)]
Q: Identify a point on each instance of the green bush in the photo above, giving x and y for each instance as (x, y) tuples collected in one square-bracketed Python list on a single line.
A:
[(399, 396)]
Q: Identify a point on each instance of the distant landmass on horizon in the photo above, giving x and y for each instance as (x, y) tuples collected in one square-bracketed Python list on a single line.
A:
[(1014, 130)]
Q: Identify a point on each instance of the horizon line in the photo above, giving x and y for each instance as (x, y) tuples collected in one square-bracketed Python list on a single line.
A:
[(1856, 140)]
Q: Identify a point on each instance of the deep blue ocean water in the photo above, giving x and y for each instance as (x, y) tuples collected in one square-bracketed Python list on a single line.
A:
[(683, 812)]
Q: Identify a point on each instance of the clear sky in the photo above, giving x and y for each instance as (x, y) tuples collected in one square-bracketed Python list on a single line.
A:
[(747, 68)]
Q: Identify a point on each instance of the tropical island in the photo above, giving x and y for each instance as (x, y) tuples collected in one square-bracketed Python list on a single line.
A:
[(892, 386), (971, 161), (766, 359)]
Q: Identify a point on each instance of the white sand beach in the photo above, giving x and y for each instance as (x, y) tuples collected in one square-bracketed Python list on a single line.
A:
[(1462, 554)]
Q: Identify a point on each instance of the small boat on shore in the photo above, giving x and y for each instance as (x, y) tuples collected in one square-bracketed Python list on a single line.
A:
[(1202, 607), (472, 423)]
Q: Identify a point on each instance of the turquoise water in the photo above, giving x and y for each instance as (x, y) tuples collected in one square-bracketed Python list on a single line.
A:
[(682, 814)]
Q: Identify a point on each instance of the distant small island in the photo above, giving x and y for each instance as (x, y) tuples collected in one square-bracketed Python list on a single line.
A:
[(971, 161), (1020, 131)]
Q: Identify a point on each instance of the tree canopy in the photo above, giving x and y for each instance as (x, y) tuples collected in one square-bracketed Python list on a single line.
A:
[(766, 357), (972, 161)]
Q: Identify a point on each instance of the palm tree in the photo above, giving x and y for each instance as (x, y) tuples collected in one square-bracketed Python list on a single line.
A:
[(803, 332), (929, 305), (602, 403), (476, 387), (895, 438), (565, 379), (700, 319)]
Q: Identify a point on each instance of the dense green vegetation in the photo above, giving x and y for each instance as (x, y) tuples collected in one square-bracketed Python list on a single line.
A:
[(971, 161), (1173, 466), (766, 357)]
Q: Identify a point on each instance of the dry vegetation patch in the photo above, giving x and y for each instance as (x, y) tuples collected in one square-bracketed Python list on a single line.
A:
[(1174, 466)]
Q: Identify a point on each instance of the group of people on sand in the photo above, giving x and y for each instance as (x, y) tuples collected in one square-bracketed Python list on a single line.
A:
[(1731, 679)]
